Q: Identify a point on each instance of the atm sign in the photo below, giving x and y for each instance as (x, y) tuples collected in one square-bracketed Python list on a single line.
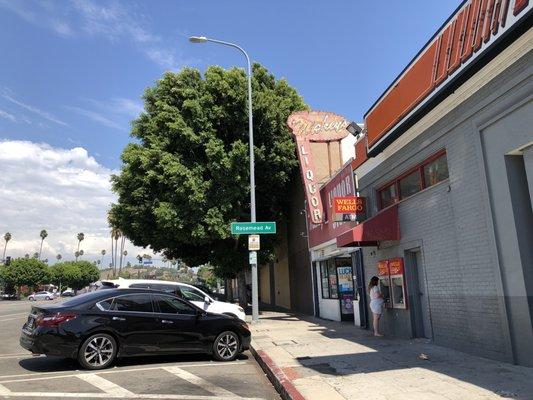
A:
[(348, 205)]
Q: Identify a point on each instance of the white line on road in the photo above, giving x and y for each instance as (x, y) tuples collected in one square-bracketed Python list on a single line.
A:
[(105, 385), (198, 381), (4, 391), (13, 319), (52, 395), (26, 355), (5, 378), (12, 315)]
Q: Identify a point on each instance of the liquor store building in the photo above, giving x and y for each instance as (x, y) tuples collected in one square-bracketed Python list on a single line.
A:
[(447, 160)]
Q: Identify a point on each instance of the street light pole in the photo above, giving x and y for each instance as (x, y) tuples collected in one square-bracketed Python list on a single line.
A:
[(203, 39)]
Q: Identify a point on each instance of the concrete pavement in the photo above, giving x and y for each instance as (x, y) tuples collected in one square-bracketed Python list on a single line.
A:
[(317, 359)]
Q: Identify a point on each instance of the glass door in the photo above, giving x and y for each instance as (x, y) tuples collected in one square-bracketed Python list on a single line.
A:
[(345, 287)]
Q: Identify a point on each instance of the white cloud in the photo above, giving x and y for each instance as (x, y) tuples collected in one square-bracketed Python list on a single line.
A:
[(97, 117), (35, 110), (112, 21), (64, 191), (118, 105), (6, 115)]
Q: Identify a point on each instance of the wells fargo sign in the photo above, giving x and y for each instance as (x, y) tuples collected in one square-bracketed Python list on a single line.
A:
[(348, 208), (314, 126)]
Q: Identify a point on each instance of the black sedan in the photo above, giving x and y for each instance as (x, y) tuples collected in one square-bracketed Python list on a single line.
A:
[(97, 327)]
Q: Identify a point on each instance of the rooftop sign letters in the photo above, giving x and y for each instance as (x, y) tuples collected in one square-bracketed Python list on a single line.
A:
[(472, 31), (314, 126)]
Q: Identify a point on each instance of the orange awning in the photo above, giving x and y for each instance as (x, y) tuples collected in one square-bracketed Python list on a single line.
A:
[(382, 226)]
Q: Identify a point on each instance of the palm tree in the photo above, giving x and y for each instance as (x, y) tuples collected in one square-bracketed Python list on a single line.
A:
[(81, 253), (103, 254), (35, 255), (59, 257), (7, 238), (43, 236), (76, 254), (122, 244), (80, 237), (115, 234), (26, 255)]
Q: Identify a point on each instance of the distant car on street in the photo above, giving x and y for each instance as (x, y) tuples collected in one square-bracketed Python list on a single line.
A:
[(10, 296), (68, 293), (188, 292), (97, 327), (41, 296)]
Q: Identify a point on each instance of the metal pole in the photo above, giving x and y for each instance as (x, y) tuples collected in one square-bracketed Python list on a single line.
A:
[(255, 291)]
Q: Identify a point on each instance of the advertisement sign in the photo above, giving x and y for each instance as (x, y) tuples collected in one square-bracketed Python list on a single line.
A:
[(314, 126), (383, 268), (396, 266), (348, 208)]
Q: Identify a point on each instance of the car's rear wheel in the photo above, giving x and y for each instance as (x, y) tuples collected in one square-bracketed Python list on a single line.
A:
[(98, 351), (48, 298), (31, 298), (226, 346)]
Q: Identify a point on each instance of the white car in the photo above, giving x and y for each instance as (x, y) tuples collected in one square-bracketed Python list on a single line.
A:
[(188, 292), (41, 296)]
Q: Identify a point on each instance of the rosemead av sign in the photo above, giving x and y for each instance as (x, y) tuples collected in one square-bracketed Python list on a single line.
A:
[(314, 126)]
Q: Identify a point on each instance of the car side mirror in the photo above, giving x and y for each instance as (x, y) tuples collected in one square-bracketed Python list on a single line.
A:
[(207, 300)]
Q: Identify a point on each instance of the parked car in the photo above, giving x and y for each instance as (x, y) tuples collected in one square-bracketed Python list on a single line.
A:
[(68, 293), (97, 327), (41, 296), (11, 296), (204, 288), (188, 292)]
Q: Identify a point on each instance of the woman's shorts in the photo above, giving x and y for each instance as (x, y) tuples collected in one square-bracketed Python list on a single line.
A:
[(376, 308)]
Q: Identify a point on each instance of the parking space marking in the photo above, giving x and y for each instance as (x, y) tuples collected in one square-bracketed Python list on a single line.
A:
[(112, 396), (4, 391), (105, 385), (21, 356), (198, 381), (111, 371)]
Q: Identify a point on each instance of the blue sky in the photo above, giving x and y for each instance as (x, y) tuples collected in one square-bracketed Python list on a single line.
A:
[(72, 72)]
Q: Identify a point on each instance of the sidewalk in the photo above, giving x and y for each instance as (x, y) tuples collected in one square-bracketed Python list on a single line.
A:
[(311, 358)]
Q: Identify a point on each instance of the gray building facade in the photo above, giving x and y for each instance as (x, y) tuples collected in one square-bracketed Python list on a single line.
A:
[(467, 240)]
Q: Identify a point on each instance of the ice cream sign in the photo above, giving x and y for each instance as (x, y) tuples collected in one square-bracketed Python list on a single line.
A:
[(314, 126)]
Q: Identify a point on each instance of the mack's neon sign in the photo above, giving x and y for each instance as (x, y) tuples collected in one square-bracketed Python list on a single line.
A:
[(314, 126)]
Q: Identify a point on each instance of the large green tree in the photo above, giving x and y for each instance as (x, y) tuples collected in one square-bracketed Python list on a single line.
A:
[(25, 271), (76, 275), (185, 178)]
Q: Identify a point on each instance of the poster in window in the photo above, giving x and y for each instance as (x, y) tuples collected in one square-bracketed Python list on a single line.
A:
[(347, 303), (333, 288)]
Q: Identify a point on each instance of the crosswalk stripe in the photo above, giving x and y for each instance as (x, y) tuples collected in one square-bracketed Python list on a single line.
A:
[(105, 385), (196, 380)]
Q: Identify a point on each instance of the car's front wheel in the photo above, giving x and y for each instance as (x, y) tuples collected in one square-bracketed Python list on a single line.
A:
[(31, 298), (98, 351), (48, 298), (226, 346)]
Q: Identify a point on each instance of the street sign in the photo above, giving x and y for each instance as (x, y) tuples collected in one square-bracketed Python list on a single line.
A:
[(253, 257), (249, 228), (253, 242)]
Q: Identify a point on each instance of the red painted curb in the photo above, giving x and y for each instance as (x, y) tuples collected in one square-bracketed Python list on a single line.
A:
[(274, 373)]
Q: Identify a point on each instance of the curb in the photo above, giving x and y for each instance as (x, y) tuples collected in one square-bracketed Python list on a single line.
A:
[(274, 373)]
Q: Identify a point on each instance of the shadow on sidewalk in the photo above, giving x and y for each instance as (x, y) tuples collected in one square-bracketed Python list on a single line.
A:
[(401, 355)]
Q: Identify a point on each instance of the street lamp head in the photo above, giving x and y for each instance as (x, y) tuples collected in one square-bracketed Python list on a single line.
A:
[(197, 39)]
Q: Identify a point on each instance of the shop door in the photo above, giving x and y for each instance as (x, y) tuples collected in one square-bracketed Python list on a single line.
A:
[(420, 309), (359, 280), (345, 287)]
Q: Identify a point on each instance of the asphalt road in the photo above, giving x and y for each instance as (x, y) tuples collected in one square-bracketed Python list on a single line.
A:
[(195, 377)]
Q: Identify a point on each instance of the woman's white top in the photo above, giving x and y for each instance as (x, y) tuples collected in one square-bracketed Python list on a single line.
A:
[(374, 296)]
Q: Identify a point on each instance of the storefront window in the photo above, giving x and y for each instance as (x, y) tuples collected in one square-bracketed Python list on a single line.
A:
[(410, 184), (388, 196), (324, 279), (433, 171), (436, 171), (333, 287)]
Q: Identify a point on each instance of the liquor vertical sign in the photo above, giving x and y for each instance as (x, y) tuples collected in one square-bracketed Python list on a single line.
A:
[(314, 126)]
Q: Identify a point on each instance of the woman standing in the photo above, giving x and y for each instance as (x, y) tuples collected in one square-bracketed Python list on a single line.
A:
[(376, 303)]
